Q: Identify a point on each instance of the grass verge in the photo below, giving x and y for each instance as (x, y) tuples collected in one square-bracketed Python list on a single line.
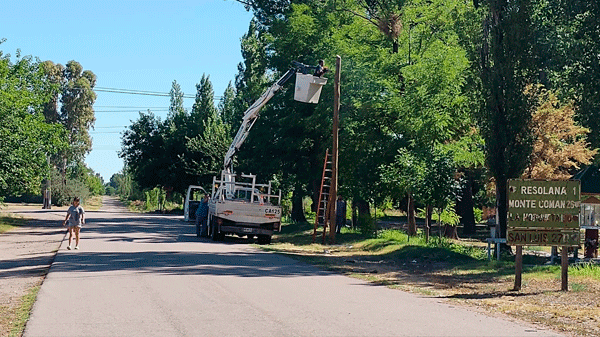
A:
[(456, 270), (14, 319), (10, 221)]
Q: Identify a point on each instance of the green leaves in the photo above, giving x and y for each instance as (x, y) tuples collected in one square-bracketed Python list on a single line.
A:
[(185, 149), (25, 138)]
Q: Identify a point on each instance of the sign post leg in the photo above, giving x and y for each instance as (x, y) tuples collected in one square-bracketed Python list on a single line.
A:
[(518, 268), (564, 261)]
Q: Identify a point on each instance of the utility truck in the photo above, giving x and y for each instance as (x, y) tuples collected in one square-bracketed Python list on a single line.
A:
[(238, 204)]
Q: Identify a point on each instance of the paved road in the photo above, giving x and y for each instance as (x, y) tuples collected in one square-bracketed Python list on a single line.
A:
[(148, 275)]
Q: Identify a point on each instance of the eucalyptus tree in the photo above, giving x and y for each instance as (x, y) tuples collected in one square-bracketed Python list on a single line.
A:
[(74, 90)]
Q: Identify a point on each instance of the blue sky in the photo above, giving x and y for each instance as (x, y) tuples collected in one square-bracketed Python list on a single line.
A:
[(130, 44)]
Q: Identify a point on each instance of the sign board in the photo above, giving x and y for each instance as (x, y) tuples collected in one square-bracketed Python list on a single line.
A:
[(543, 237), (543, 212)]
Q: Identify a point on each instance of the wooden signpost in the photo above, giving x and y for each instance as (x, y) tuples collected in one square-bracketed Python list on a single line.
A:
[(543, 213)]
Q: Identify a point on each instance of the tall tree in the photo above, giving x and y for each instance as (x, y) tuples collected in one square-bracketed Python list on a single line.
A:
[(77, 111), (571, 47), (227, 110), (506, 67), (25, 138), (203, 108)]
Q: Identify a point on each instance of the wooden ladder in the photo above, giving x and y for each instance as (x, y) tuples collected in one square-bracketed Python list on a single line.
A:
[(321, 214)]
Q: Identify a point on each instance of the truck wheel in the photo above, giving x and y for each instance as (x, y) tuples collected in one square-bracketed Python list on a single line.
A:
[(264, 239), (214, 235)]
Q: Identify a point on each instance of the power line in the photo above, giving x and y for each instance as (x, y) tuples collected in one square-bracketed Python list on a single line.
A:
[(128, 107), (111, 127), (130, 110), (142, 92)]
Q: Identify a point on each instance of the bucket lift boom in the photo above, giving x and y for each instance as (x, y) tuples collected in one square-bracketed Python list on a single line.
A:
[(251, 114)]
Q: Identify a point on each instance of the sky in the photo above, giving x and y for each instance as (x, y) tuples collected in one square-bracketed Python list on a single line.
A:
[(139, 45)]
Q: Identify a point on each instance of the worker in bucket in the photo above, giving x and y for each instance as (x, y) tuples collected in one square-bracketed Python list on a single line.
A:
[(321, 69)]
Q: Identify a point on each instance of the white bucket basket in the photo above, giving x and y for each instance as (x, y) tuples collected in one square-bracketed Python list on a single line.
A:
[(308, 88)]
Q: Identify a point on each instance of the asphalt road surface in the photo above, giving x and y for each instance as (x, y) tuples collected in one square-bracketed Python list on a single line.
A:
[(148, 275)]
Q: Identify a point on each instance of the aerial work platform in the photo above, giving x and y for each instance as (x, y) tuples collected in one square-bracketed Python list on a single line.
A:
[(308, 88)]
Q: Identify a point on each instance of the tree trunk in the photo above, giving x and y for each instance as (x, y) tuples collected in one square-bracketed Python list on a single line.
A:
[(429, 210), (466, 204), (395, 47), (364, 210), (354, 214), (450, 232), (501, 204), (297, 207), (410, 213)]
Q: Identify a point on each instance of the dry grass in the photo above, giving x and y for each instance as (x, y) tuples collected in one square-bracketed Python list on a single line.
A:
[(463, 278), (93, 203)]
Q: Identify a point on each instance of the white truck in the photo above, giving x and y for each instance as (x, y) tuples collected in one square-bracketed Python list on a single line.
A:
[(238, 205)]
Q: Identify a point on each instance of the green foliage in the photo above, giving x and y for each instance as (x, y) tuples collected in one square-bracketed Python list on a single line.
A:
[(428, 175), (417, 248), (569, 36), (506, 64), (26, 139), (109, 190), (447, 216), (73, 88), (478, 212), (125, 187), (185, 149), (155, 199), (585, 270), (93, 181), (64, 190)]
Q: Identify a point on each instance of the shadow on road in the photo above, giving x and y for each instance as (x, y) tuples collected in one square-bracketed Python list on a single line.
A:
[(165, 233), (186, 263)]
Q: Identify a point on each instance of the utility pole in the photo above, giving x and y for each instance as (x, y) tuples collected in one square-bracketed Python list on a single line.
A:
[(48, 191), (331, 205)]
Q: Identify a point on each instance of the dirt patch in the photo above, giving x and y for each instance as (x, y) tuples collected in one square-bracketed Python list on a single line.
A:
[(26, 253)]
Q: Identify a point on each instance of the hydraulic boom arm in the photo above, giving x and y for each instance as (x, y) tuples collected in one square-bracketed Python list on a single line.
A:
[(251, 114)]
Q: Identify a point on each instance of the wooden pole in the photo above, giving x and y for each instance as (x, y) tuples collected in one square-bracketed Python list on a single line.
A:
[(334, 150), (518, 267), (564, 262)]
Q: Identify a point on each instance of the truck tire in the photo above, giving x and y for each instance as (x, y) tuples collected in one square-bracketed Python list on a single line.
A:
[(215, 235), (264, 239)]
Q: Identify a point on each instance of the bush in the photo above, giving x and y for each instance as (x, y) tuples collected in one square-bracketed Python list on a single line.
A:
[(366, 225), (63, 192), (155, 199), (109, 190)]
